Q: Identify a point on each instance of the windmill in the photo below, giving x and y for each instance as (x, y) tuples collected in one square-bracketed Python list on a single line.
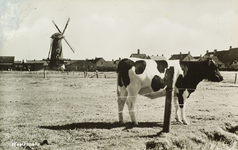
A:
[(55, 55)]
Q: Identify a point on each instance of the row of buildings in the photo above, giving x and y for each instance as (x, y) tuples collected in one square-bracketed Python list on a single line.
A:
[(227, 60), (9, 63), (91, 65)]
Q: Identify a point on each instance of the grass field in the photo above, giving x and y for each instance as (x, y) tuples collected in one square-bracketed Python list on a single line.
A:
[(67, 111)]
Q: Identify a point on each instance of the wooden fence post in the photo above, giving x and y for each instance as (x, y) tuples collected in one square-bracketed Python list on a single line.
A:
[(235, 78), (44, 73), (168, 100)]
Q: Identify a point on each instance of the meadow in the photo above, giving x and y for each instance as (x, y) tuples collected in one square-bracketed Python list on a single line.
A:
[(68, 111)]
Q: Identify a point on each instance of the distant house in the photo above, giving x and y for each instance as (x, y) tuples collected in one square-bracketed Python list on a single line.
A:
[(91, 65), (7, 62), (112, 65), (228, 57), (233, 55), (102, 65), (182, 57), (157, 58), (197, 58), (30, 65), (80, 65), (138, 55), (99, 62), (116, 62), (18, 65)]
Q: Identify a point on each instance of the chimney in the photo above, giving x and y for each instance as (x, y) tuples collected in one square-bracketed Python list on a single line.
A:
[(188, 52), (162, 54), (215, 50), (207, 51), (138, 51), (119, 58), (180, 55), (230, 47)]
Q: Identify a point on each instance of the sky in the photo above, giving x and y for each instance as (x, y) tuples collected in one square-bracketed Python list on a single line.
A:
[(117, 28)]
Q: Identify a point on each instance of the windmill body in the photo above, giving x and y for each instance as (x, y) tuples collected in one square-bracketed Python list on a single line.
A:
[(55, 56)]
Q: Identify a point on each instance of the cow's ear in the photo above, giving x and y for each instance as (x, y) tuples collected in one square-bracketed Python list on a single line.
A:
[(185, 70), (162, 65), (210, 61)]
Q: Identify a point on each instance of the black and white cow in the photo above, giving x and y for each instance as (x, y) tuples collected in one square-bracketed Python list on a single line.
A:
[(148, 77)]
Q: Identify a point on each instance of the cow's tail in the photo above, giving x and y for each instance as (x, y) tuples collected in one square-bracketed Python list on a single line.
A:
[(118, 80), (117, 86)]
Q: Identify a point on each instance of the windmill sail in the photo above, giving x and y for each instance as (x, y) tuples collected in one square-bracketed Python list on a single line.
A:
[(55, 55), (63, 32)]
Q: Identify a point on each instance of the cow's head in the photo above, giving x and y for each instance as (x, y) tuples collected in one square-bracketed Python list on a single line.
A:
[(213, 73)]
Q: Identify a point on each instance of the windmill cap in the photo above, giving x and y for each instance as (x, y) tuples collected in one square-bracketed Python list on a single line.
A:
[(57, 36)]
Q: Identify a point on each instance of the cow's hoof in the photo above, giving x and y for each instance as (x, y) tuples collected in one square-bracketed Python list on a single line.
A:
[(121, 123), (178, 120), (131, 125), (135, 124), (185, 122)]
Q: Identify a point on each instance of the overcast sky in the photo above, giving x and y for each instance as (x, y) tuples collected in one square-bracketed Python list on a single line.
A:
[(117, 28)]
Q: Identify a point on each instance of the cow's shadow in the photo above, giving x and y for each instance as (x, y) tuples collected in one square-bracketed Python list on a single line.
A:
[(101, 125)]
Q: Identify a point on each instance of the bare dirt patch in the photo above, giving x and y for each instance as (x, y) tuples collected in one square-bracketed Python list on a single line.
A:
[(66, 111)]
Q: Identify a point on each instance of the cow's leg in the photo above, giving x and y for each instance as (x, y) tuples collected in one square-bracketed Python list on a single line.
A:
[(177, 109), (122, 97), (182, 98), (131, 108), (133, 91), (183, 114)]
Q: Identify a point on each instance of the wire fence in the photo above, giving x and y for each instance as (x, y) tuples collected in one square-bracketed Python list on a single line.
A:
[(70, 74), (229, 76)]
